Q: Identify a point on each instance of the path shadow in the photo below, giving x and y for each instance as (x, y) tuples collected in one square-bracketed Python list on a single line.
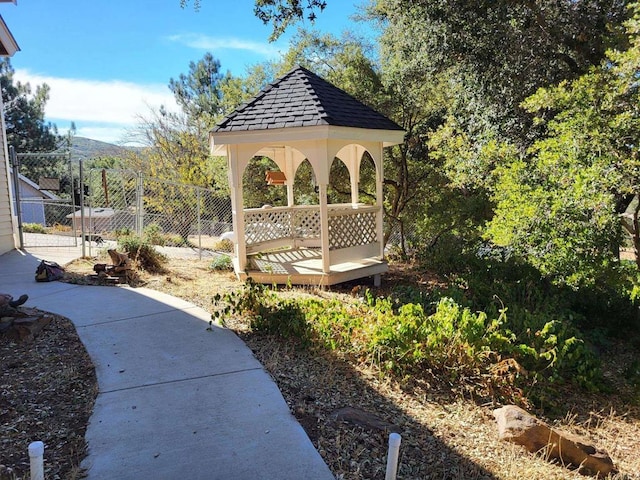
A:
[(317, 385)]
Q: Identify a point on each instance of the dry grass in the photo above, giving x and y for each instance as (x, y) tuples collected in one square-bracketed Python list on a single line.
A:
[(445, 434)]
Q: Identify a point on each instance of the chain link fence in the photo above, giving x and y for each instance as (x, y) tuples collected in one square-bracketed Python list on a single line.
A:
[(43, 187), (170, 214), (50, 188)]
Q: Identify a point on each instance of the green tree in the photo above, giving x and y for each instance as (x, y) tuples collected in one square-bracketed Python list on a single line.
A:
[(198, 93), (178, 143), (500, 51), (279, 13), (349, 63), (26, 128), (560, 205), (461, 71), (177, 149)]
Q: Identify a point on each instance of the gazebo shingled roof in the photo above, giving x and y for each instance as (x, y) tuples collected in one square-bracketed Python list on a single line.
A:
[(303, 99)]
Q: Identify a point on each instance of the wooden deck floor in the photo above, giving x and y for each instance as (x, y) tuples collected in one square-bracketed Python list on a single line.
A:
[(304, 267)]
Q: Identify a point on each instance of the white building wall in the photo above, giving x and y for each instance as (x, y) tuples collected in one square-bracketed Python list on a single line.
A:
[(7, 219)]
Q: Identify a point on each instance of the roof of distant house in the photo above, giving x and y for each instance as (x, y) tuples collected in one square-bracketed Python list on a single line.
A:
[(34, 186), (303, 99), (100, 212)]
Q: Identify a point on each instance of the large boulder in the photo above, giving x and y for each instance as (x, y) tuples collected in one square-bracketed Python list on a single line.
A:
[(517, 426)]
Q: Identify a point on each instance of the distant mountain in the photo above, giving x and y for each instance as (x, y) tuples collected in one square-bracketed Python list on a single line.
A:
[(87, 149)]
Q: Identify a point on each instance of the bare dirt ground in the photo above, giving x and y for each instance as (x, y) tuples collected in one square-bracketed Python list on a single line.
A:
[(445, 433)]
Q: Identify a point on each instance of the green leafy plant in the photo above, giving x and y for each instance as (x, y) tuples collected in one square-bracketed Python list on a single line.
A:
[(153, 234), (444, 336), (221, 262), (122, 232), (268, 313), (33, 228)]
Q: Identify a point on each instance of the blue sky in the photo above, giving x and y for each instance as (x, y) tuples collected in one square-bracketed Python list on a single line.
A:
[(109, 61)]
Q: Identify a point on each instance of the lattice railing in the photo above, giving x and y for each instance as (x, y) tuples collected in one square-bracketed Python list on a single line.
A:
[(306, 223), (266, 225), (350, 228)]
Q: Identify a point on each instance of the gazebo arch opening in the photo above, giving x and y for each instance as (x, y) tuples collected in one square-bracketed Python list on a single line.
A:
[(305, 185), (339, 189), (319, 137), (367, 183), (255, 190)]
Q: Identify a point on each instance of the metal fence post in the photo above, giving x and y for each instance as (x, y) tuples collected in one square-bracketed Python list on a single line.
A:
[(140, 205), (83, 235), (73, 201), (198, 195)]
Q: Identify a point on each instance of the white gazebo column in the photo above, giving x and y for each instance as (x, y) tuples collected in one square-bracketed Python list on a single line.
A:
[(289, 172), (355, 154), (237, 207), (378, 161), (324, 228), (318, 156)]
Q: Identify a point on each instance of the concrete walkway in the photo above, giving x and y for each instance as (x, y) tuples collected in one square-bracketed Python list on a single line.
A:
[(176, 401)]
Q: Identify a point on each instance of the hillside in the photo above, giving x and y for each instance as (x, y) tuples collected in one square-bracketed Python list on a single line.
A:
[(87, 148)]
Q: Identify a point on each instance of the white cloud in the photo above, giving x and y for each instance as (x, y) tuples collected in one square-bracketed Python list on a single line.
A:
[(204, 42), (103, 110)]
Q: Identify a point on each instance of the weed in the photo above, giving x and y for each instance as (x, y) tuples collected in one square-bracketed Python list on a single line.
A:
[(445, 336), (122, 232), (153, 234), (33, 228), (59, 228), (221, 262)]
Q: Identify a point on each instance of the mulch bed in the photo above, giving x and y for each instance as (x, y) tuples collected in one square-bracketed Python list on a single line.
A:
[(47, 390)]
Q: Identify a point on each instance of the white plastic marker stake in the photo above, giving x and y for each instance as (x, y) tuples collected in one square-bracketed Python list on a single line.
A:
[(36, 458), (392, 456)]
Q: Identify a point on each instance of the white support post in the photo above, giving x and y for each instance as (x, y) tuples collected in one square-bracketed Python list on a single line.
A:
[(379, 196), (237, 207), (392, 456), (290, 173), (36, 460), (324, 228), (354, 169)]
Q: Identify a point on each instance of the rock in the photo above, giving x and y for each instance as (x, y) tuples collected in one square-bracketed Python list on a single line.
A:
[(364, 419), (517, 426)]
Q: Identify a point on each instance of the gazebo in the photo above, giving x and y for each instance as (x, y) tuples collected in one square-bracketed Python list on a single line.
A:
[(303, 117)]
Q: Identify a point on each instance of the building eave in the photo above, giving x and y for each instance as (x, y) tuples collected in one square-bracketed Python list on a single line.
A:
[(8, 44)]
